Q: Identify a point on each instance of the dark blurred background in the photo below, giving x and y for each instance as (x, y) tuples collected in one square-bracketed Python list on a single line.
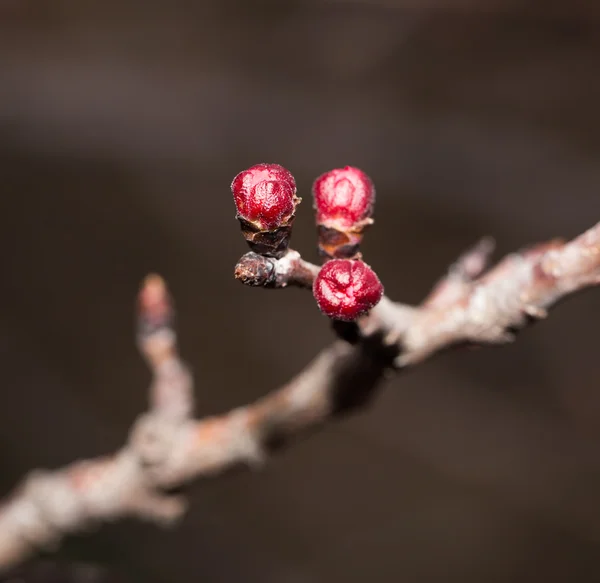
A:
[(121, 127)]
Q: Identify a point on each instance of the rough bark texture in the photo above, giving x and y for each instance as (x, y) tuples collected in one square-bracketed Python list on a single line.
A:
[(168, 448)]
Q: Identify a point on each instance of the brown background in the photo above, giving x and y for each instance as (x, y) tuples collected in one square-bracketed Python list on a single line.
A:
[(121, 127)]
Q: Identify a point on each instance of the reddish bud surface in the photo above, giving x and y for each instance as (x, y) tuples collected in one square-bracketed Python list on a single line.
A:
[(343, 197), (265, 195), (154, 301), (155, 309), (346, 288)]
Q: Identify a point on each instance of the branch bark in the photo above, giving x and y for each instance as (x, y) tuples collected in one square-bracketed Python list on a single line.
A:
[(167, 447)]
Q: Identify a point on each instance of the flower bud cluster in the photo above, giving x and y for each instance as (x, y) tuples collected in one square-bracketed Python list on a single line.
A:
[(265, 198)]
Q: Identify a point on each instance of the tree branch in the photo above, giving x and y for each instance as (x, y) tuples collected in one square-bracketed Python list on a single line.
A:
[(167, 447)]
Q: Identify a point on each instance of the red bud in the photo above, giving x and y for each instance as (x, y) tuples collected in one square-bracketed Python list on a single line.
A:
[(265, 196), (346, 289), (343, 197)]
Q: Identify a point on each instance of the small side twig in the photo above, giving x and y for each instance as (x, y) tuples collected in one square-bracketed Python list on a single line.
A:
[(289, 270)]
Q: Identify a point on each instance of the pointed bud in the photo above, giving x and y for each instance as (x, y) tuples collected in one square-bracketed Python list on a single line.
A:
[(155, 319), (265, 199), (346, 289), (155, 308), (344, 199)]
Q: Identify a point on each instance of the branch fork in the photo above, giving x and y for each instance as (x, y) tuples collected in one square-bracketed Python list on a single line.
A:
[(167, 447)]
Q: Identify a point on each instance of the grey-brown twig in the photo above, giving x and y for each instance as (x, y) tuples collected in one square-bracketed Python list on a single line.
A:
[(261, 271), (168, 448)]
